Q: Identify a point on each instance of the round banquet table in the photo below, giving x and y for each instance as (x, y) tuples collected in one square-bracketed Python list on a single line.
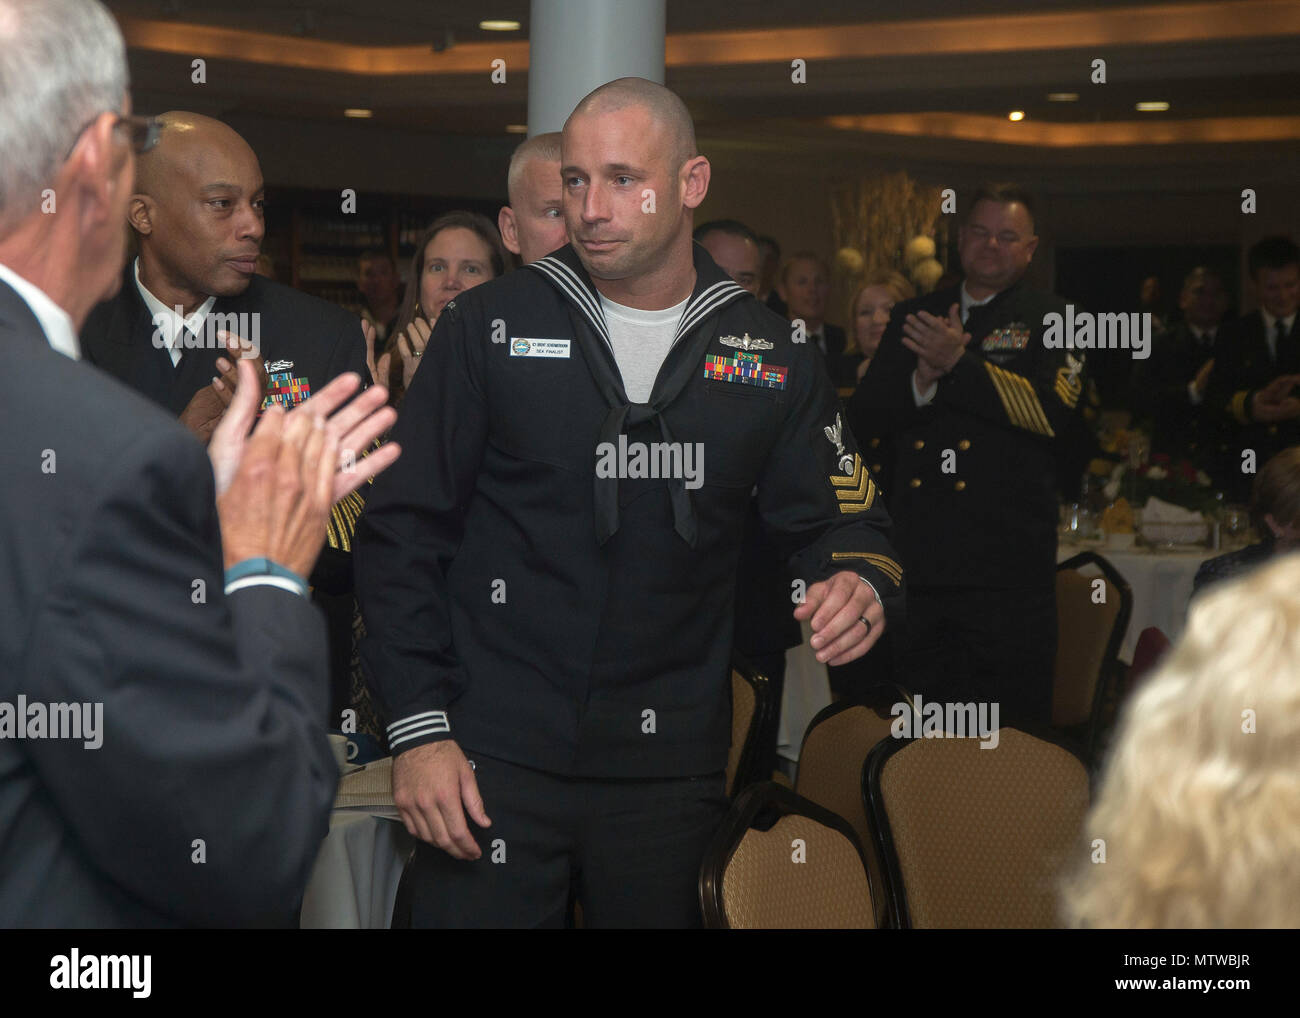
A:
[(1161, 582)]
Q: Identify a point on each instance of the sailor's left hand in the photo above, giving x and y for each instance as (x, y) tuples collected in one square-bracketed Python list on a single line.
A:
[(847, 619)]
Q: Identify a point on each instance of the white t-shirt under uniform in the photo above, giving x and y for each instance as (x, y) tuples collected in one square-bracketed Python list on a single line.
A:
[(641, 340)]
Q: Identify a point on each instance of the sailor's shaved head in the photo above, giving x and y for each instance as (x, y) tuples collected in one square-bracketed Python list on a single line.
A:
[(664, 107), (631, 180), (197, 211)]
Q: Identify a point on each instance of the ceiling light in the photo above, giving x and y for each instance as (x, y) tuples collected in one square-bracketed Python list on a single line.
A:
[(1063, 97), (516, 128), (359, 114), (1154, 107), (498, 25), (1016, 115)]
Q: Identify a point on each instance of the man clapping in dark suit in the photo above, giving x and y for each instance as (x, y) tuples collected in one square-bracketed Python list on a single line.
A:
[(163, 759), (1257, 368)]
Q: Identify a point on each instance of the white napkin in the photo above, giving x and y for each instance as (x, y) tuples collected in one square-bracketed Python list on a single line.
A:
[(1158, 511)]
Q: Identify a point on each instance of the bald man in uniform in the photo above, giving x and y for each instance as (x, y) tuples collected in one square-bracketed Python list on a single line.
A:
[(550, 631), (532, 225), (197, 216)]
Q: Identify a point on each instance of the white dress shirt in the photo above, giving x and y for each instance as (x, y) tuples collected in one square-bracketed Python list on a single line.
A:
[(54, 321), (169, 322)]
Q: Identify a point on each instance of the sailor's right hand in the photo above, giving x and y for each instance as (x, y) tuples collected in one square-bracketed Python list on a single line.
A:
[(433, 789)]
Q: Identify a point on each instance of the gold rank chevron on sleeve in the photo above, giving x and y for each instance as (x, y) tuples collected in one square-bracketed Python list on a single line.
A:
[(1068, 385), (855, 492), (1019, 400)]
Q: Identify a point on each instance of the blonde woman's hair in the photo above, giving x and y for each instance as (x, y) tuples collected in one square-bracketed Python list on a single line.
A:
[(895, 282), (1199, 809)]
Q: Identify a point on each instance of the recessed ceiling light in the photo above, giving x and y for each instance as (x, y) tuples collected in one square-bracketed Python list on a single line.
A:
[(499, 25), (359, 114), (1153, 107), (516, 128), (1016, 115), (1063, 97)]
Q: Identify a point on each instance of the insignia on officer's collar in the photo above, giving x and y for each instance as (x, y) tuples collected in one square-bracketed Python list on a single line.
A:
[(746, 342), (1014, 337), (835, 433), (275, 366)]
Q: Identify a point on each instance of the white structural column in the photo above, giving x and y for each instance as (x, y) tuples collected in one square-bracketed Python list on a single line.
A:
[(576, 45)]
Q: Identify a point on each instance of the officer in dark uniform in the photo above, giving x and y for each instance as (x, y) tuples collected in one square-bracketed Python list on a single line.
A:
[(545, 599), (1169, 387), (1251, 394), (963, 412)]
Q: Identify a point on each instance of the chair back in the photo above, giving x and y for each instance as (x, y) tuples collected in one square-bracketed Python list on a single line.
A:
[(975, 837), (832, 760), (779, 861), (751, 695), (1089, 633)]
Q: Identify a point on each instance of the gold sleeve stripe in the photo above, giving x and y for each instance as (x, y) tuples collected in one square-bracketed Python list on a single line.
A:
[(1037, 414), (343, 521), (884, 563), (1237, 407), (1003, 395), (1019, 401)]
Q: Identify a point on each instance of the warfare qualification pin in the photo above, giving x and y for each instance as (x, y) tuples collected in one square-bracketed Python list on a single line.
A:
[(746, 342)]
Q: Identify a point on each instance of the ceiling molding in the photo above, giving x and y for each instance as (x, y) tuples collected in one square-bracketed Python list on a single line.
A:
[(1043, 134), (1148, 25)]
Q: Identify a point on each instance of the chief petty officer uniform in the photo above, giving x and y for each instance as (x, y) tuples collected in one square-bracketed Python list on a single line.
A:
[(969, 480), (572, 631)]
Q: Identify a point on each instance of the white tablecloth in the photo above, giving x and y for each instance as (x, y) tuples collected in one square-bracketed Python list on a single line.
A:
[(807, 690), (354, 882), (1161, 583)]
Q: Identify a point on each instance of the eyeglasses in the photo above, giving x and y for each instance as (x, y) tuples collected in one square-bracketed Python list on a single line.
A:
[(142, 131)]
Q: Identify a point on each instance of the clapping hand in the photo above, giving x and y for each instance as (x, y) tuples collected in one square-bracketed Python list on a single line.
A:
[(937, 342), (1274, 402)]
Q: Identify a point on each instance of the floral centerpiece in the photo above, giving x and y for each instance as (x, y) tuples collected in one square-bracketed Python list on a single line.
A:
[(1130, 470)]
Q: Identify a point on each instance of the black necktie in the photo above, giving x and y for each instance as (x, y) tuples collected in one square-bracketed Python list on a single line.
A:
[(185, 340), (1284, 348)]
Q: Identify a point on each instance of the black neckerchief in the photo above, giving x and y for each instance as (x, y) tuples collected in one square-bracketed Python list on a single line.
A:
[(713, 291)]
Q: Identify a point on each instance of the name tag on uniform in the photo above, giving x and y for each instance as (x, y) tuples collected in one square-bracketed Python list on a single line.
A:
[(539, 348)]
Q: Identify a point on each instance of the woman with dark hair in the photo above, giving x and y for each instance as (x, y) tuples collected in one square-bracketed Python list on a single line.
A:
[(458, 251), (1275, 516)]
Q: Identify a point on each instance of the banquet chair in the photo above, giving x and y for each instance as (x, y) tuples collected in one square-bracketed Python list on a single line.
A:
[(1089, 636), (779, 861), (832, 764), (751, 704), (973, 837)]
